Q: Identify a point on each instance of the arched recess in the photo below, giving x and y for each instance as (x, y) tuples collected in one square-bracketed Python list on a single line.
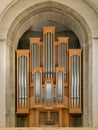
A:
[(62, 14)]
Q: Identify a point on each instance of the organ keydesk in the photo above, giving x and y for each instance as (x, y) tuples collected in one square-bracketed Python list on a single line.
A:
[(49, 81)]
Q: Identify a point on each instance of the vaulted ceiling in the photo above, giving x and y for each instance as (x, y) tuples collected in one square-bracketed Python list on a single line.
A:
[(8, 3)]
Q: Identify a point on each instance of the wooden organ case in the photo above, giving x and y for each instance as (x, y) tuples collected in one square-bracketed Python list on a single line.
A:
[(49, 81)]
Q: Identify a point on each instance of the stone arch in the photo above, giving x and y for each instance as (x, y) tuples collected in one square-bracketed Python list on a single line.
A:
[(55, 12)]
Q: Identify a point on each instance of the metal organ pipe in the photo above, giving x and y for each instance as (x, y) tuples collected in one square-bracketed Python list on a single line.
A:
[(49, 60), (46, 51), (65, 68), (20, 76), (48, 94), (49, 54), (22, 81), (72, 81), (78, 77), (75, 81), (34, 57), (25, 85), (51, 57), (63, 58)]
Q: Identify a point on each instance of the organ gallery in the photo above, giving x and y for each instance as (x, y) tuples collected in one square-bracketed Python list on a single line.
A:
[(49, 89)]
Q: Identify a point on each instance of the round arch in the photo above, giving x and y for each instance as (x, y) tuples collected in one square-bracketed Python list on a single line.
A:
[(64, 15)]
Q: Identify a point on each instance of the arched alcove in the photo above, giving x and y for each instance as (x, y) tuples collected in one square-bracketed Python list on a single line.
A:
[(36, 31), (69, 18)]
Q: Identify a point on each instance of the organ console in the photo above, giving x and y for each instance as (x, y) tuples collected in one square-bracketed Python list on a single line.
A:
[(49, 81)]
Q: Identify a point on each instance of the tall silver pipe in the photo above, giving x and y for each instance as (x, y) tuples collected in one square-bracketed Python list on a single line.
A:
[(51, 55), (48, 60), (32, 61), (75, 80), (78, 82), (19, 60), (22, 76), (25, 65), (19, 87), (46, 54), (34, 57), (63, 58), (72, 80), (56, 56), (65, 68)]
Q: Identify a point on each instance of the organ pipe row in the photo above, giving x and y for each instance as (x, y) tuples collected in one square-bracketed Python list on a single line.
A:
[(75, 80), (22, 81), (49, 55), (53, 68)]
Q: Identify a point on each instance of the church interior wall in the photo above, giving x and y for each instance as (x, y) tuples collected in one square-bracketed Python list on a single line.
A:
[(83, 23)]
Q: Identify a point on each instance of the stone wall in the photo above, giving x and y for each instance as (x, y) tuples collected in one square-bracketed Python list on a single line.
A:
[(18, 17)]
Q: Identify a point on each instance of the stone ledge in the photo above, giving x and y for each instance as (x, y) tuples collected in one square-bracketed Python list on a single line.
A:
[(47, 128)]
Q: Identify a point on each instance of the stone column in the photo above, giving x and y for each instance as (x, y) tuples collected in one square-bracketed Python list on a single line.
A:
[(85, 85), (2, 82), (90, 85), (10, 89), (95, 82)]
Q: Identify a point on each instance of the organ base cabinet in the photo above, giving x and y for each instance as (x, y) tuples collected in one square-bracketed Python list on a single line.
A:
[(43, 117), (48, 81)]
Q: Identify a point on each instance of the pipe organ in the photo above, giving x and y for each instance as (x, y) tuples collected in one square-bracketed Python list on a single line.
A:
[(49, 81)]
